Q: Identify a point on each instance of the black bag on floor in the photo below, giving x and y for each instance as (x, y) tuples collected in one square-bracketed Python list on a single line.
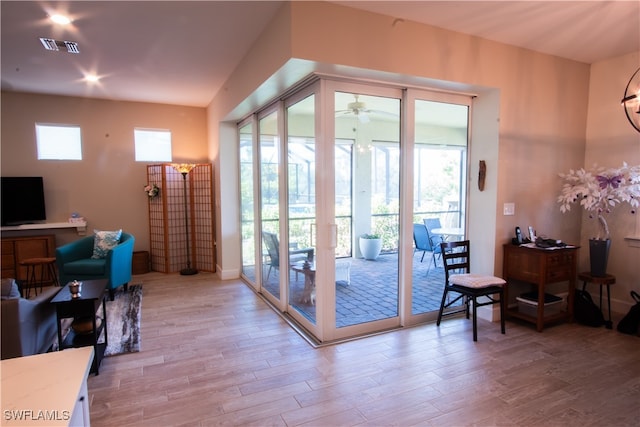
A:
[(585, 311), (630, 324)]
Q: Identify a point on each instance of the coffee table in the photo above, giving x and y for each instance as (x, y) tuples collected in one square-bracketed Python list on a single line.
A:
[(84, 306)]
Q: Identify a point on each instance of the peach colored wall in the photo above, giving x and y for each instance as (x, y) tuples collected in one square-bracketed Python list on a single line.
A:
[(612, 140), (107, 185), (542, 101), (238, 98)]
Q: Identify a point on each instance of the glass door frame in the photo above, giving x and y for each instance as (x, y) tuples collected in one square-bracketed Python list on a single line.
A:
[(312, 89), (257, 252), (326, 215), (325, 329), (278, 302), (413, 95)]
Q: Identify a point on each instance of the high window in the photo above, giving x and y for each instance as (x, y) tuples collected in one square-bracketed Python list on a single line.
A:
[(58, 142), (152, 145)]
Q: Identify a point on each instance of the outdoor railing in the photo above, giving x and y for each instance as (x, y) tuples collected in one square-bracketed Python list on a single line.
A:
[(386, 225)]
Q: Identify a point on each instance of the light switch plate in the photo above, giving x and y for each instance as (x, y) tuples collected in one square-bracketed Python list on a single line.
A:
[(509, 209)]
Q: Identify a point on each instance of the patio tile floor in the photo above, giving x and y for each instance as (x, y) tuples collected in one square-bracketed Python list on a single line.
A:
[(373, 291)]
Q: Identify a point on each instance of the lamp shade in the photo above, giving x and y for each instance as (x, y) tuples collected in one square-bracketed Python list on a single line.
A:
[(183, 167)]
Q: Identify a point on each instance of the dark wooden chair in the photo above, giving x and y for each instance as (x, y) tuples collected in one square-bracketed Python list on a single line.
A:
[(469, 287)]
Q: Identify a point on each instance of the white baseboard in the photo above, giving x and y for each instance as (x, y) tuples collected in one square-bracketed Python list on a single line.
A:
[(227, 274)]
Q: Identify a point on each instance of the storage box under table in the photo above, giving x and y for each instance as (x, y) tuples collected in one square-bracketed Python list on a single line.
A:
[(528, 304)]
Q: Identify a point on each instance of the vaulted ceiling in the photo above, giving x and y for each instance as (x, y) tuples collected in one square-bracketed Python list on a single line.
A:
[(181, 52)]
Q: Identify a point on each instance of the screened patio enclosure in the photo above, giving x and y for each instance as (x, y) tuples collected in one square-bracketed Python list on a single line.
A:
[(335, 161)]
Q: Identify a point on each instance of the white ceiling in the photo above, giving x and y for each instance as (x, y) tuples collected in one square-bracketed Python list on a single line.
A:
[(180, 52)]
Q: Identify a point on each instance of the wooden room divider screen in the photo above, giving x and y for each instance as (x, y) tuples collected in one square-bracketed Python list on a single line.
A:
[(167, 234)]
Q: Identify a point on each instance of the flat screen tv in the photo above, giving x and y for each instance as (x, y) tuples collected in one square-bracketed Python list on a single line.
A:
[(22, 200)]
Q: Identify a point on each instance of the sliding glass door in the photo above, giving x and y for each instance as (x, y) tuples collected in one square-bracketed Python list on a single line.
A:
[(301, 202), (247, 169), (440, 135), (368, 285), (342, 172), (269, 179)]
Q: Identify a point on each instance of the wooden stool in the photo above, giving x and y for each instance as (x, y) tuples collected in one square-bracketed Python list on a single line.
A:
[(46, 265), (608, 280)]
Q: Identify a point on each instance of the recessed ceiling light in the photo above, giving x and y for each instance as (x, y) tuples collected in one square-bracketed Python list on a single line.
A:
[(91, 78), (60, 19)]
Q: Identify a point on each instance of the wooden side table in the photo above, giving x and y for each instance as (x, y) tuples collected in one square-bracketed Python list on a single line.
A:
[(541, 267), (47, 266), (309, 271), (606, 280), (84, 306)]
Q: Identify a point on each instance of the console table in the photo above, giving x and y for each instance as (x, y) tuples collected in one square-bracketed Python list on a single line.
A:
[(541, 267), (81, 226)]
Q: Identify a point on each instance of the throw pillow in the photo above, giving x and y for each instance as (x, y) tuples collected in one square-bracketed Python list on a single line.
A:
[(104, 241), (9, 289)]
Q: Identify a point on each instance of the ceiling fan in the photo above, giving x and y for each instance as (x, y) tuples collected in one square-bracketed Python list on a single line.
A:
[(359, 109)]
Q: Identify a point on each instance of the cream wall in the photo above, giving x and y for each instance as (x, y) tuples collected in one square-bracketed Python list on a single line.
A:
[(541, 102), (238, 98), (543, 99), (612, 140), (106, 186), (536, 104)]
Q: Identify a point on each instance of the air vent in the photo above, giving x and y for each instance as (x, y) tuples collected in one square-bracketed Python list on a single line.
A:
[(57, 45)]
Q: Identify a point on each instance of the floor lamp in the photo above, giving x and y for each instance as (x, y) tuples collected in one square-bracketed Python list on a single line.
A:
[(184, 169)]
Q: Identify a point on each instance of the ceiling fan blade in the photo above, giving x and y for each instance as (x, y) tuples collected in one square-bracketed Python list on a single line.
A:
[(383, 113)]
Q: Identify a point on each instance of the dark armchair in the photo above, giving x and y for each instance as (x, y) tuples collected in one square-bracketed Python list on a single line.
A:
[(75, 262)]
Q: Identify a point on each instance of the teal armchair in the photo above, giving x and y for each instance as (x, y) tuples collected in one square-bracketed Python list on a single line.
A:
[(75, 263)]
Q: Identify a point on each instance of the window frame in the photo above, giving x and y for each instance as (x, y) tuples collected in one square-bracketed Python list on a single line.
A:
[(45, 149), (145, 152)]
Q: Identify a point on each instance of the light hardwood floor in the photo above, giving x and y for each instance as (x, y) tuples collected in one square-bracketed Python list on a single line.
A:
[(213, 353)]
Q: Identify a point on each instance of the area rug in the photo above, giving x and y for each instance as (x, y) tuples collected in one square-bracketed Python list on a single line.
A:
[(123, 321)]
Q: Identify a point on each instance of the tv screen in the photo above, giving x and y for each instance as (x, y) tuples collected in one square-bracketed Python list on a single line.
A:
[(22, 200)]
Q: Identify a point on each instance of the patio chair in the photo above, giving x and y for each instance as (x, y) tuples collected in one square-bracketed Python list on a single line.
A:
[(273, 249), (456, 259), (425, 242), (421, 240), (432, 224)]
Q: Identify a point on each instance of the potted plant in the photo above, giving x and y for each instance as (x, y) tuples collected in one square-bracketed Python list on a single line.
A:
[(599, 191), (370, 246)]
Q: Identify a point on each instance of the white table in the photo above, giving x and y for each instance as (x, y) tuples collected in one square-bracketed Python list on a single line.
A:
[(47, 389), (447, 232)]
